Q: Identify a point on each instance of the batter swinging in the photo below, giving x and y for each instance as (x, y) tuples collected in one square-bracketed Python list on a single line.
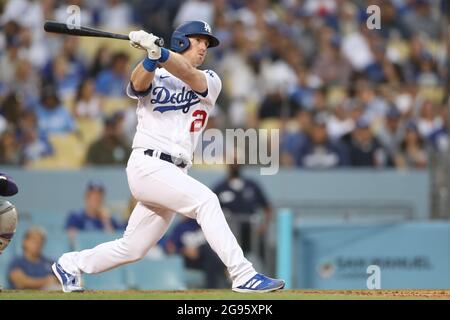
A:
[(174, 102)]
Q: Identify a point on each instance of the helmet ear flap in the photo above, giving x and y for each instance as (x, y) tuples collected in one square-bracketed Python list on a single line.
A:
[(179, 42), (184, 44)]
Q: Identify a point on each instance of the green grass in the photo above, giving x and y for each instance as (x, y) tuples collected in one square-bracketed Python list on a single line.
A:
[(226, 295)]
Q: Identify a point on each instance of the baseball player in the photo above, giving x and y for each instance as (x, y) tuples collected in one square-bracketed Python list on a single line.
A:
[(173, 104)]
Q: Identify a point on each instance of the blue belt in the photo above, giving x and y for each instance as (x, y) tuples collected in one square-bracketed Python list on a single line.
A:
[(166, 157)]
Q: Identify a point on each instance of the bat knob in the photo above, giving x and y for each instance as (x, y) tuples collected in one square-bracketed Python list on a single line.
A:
[(160, 42)]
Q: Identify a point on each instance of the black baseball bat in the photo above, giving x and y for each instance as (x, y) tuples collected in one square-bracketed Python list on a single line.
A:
[(63, 28)]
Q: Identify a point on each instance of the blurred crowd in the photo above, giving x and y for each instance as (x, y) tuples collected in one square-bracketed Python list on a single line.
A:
[(341, 94)]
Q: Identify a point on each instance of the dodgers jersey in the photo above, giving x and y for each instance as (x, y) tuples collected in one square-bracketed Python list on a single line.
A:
[(171, 115)]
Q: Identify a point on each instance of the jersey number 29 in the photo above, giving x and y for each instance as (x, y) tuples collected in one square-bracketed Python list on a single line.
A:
[(199, 122)]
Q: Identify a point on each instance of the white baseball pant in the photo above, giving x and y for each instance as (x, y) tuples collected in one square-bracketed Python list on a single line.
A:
[(162, 189)]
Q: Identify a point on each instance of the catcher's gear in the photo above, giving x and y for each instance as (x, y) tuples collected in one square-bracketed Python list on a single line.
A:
[(8, 223), (180, 42)]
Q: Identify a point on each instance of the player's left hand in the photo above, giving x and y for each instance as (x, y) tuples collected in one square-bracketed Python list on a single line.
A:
[(144, 40)]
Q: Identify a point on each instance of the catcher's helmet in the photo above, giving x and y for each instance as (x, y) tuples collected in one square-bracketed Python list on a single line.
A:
[(180, 42), (8, 223)]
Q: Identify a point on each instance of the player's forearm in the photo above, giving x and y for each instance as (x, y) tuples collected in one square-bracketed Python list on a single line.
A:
[(141, 78), (181, 68), (22, 281)]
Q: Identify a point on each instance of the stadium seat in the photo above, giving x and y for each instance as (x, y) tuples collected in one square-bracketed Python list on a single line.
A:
[(157, 274), (110, 280), (335, 95), (435, 94), (112, 105), (69, 153), (270, 123), (90, 130), (69, 103), (90, 239), (47, 163), (399, 48), (50, 221), (68, 149)]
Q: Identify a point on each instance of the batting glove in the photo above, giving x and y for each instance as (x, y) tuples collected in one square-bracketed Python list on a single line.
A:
[(143, 40)]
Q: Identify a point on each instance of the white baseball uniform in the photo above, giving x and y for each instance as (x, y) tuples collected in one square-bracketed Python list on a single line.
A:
[(170, 117)]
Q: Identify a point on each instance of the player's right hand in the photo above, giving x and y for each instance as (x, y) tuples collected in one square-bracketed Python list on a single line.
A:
[(144, 40)]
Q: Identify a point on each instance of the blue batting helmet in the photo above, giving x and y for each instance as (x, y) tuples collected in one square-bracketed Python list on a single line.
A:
[(180, 42)]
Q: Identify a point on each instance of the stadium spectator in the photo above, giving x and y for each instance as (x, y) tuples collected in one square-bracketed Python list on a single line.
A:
[(302, 94), (391, 132), (188, 240), (113, 81), (94, 216), (340, 122), (156, 16), (429, 121), (412, 153), (10, 108), (374, 105), (274, 58), (27, 83), (34, 144), (319, 151), (439, 138), (364, 149), (195, 10), (330, 65), (101, 61), (272, 106), (8, 63), (9, 148), (115, 15), (87, 103), (292, 141), (242, 198), (52, 116), (110, 148), (63, 78), (32, 270), (421, 19)]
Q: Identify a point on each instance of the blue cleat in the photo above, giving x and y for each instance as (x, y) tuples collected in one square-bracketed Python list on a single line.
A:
[(260, 283), (69, 282)]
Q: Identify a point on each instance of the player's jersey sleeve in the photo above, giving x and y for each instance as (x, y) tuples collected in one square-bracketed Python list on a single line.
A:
[(214, 87), (133, 94)]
